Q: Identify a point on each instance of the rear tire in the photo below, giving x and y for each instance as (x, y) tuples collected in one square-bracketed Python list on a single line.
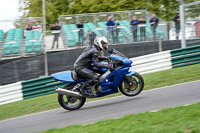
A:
[(70, 103), (134, 89)]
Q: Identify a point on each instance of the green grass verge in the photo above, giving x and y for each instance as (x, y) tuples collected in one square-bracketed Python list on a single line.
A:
[(173, 120), (153, 80)]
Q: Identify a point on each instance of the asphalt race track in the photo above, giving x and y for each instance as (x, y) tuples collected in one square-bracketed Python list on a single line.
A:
[(152, 100)]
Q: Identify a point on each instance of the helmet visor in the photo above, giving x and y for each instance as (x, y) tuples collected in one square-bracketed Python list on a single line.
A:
[(104, 44)]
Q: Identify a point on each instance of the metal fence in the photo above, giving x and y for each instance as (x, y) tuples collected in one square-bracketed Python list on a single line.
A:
[(21, 48), (21, 37), (116, 35), (192, 31), (54, 40), (95, 23), (102, 16)]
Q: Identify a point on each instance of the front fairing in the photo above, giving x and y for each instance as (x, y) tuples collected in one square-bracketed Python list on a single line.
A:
[(127, 62)]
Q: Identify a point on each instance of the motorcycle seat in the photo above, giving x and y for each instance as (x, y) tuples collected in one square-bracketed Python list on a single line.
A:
[(76, 77)]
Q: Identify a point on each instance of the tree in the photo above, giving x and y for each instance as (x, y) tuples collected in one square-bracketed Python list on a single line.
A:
[(33, 8), (165, 9), (192, 11)]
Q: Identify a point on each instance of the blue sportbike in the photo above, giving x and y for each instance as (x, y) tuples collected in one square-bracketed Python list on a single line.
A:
[(130, 83)]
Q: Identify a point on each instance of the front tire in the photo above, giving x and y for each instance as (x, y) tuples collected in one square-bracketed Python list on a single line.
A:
[(69, 102), (134, 89)]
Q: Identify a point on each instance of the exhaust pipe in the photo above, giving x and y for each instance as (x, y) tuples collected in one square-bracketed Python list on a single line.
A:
[(68, 92)]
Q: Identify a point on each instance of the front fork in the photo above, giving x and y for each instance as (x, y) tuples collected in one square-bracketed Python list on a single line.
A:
[(129, 79)]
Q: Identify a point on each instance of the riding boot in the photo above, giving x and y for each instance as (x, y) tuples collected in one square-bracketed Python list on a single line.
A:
[(85, 89)]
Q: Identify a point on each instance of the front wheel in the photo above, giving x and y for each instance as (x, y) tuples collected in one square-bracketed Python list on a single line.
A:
[(132, 89), (69, 102)]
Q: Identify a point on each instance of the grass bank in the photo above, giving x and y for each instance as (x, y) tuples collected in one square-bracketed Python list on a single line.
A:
[(175, 120), (153, 80)]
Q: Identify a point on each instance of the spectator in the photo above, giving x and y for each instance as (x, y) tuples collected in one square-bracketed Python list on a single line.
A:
[(80, 33), (142, 24), (52, 26), (177, 24), (134, 27), (154, 23), (56, 32), (28, 27), (117, 30), (110, 27), (91, 36), (37, 26)]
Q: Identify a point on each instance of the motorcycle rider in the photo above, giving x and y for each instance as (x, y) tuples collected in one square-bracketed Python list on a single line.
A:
[(90, 57)]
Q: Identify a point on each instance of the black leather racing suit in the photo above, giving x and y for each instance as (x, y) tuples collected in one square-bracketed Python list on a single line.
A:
[(84, 61)]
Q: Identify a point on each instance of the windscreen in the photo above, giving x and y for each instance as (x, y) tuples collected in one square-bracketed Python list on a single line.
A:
[(114, 51)]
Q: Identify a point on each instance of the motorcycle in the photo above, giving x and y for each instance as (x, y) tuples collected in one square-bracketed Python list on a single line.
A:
[(130, 83)]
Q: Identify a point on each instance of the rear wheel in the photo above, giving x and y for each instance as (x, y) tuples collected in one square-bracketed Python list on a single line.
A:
[(69, 102), (132, 89)]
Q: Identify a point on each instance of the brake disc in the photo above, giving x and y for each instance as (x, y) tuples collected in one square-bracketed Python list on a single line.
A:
[(133, 86)]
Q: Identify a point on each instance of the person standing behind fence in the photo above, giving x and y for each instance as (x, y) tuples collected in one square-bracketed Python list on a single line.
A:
[(117, 30), (80, 33), (154, 23), (56, 32), (91, 36), (134, 27), (142, 24), (110, 27), (177, 24), (37, 26), (28, 27)]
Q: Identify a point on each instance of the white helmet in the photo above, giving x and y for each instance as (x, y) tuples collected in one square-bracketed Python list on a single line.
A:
[(101, 42)]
